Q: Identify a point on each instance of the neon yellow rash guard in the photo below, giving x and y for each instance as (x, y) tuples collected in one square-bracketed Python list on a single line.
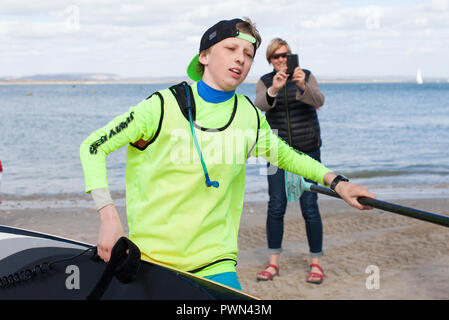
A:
[(172, 216)]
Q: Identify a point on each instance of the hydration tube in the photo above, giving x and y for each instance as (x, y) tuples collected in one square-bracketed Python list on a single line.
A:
[(209, 183)]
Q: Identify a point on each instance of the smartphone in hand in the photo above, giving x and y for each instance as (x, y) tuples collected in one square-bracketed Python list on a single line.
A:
[(292, 63)]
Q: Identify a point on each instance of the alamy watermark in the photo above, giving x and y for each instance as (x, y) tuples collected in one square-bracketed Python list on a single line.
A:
[(231, 147), (372, 21), (72, 282), (373, 280), (72, 21)]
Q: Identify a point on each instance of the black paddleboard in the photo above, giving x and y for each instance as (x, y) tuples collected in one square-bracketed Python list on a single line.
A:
[(40, 266)]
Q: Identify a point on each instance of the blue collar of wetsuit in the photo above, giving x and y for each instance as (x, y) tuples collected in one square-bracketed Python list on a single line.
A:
[(212, 95)]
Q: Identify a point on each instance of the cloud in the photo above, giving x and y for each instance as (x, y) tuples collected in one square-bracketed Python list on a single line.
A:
[(347, 18), (442, 5), (123, 35)]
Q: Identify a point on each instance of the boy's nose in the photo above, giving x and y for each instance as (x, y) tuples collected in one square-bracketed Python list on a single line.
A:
[(240, 58)]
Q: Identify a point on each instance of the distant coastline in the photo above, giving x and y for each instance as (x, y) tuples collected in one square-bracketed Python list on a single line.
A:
[(77, 82), (88, 82), (96, 79), (162, 81)]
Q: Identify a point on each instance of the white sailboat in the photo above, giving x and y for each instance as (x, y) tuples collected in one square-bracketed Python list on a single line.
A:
[(419, 79)]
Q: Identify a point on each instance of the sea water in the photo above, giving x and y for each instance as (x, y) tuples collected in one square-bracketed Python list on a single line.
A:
[(393, 137)]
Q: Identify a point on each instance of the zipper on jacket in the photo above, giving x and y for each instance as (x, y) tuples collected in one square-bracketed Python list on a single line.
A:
[(287, 112)]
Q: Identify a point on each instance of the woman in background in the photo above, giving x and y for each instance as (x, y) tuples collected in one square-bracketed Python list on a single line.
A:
[(290, 102)]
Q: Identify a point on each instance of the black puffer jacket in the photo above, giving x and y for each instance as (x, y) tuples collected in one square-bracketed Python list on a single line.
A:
[(296, 122)]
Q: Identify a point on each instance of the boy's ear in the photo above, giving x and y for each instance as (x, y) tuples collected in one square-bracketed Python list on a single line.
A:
[(204, 57)]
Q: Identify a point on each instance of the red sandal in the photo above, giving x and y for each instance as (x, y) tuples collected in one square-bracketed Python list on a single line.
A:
[(266, 275), (316, 275)]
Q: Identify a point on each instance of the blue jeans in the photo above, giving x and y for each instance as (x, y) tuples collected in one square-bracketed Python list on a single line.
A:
[(276, 211)]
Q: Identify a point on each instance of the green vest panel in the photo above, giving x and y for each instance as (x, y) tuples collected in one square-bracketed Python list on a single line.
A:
[(173, 217)]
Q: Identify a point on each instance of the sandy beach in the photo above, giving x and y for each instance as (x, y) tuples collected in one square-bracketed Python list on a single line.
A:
[(412, 256)]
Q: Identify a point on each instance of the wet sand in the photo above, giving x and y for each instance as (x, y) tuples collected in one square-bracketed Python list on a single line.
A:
[(412, 256)]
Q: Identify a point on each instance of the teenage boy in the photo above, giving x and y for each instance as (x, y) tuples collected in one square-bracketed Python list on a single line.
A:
[(176, 215)]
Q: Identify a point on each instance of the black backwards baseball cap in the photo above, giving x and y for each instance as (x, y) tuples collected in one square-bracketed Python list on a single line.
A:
[(218, 32)]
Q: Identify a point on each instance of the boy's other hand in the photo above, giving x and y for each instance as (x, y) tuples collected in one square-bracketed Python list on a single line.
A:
[(110, 231)]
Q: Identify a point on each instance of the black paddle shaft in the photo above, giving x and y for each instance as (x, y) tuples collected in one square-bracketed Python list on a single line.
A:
[(391, 207)]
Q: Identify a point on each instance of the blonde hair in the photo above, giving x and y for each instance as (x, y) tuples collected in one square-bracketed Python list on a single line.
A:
[(245, 26), (275, 44)]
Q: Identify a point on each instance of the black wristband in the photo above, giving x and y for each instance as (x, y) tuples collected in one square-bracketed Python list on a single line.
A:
[(338, 179)]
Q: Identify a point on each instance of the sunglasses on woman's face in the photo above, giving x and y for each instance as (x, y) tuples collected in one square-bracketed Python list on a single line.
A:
[(279, 55)]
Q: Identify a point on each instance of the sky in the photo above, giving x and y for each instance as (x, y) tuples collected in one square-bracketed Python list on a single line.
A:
[(138, 38)]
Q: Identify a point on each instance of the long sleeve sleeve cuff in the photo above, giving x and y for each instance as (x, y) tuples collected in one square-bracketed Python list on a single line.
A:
[(101, 197)]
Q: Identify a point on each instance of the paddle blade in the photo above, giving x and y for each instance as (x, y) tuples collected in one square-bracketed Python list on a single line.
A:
[(294, 186)]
